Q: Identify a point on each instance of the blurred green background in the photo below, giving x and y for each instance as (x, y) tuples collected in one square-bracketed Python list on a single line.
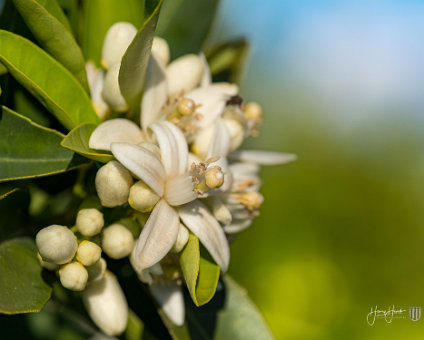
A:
[(342, 229)]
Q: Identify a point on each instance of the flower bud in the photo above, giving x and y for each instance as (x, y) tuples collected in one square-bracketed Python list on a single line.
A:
[(116, 42), (117, 241), (236, 131), (106, 304), (160, 48), (113, 182), (97, 270), (73, 276), (56, 244), (47, 265), (142, 198), (184, 73), (111, 92), (89, 221), (95, 81), (88, 253), (182, 239)]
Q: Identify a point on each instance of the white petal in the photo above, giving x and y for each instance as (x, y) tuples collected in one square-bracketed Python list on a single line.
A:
[(184, 74), (111, 92), (213, 99), (243, 170), (173, 147), (201, 222), (160, 49), (117, 130), (155, 92), (263, 157), (143, 163), (170, 298), (220, 210), (179, 190), (238, 226), (221, 141), (206, 77), (158, 236)]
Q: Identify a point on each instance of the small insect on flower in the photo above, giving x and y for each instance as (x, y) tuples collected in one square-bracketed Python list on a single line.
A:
[(235, 100)]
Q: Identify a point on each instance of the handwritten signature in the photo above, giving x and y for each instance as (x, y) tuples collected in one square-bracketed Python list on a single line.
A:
[(388, 315)]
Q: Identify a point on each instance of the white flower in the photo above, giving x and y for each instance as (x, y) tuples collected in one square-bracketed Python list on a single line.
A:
[(169, 178)]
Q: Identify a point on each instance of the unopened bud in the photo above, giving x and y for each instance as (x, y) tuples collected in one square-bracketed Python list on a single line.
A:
[(182, 239), (106, 304), (97, 270), (89, 221), (73, 276), (214, 177), (184, 73), (47, 265), (116, 42), (117, 241), (236, 131), (113, 182), (56, 244), (160, 48), (142, 198), (111, 92), (186, 107), (253, 111), (88, 253)]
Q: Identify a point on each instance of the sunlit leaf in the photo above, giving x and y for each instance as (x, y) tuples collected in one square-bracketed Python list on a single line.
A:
[(200, 272), (77, 141), (22, 287), (52, 84), (185, 24), (226, 61), (134, 62), (99, 15), (30, 150), (50, 27)]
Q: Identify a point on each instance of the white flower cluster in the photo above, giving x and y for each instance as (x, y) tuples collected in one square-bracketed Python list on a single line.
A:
[(81, 267)]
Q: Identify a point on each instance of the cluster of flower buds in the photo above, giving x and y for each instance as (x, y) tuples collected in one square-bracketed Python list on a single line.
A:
[(180, 169), (76, 254)]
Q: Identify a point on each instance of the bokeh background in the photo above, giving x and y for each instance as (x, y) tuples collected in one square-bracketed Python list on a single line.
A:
[(342, 229)]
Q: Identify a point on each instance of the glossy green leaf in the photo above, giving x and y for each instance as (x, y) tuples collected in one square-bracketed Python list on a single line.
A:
[(31, 150), (77, 141), (51, 29), (7, 190), (52, 84), (226, 61), (185, 24), (3, 69), (200, 272), (135, 60), (99, 15), (21, 284)]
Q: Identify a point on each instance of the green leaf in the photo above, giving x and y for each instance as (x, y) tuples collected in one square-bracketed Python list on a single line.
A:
[(77, 141), (30, 150), (52, 84), (185, 24), (22, 287), (200, 272), (3, 69), (7, 190), (226, 61), (50, 27), (135, 60), (99, 15)]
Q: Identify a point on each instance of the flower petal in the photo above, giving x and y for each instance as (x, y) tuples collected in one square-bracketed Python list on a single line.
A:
[(206, 77), (115, 131), (237, 226), (263, 157), (169, 296), (143, 163), (221, 141), (179, 190), (155, 92), (201, 222), (157, 237), (173, 147), (213, 99)]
